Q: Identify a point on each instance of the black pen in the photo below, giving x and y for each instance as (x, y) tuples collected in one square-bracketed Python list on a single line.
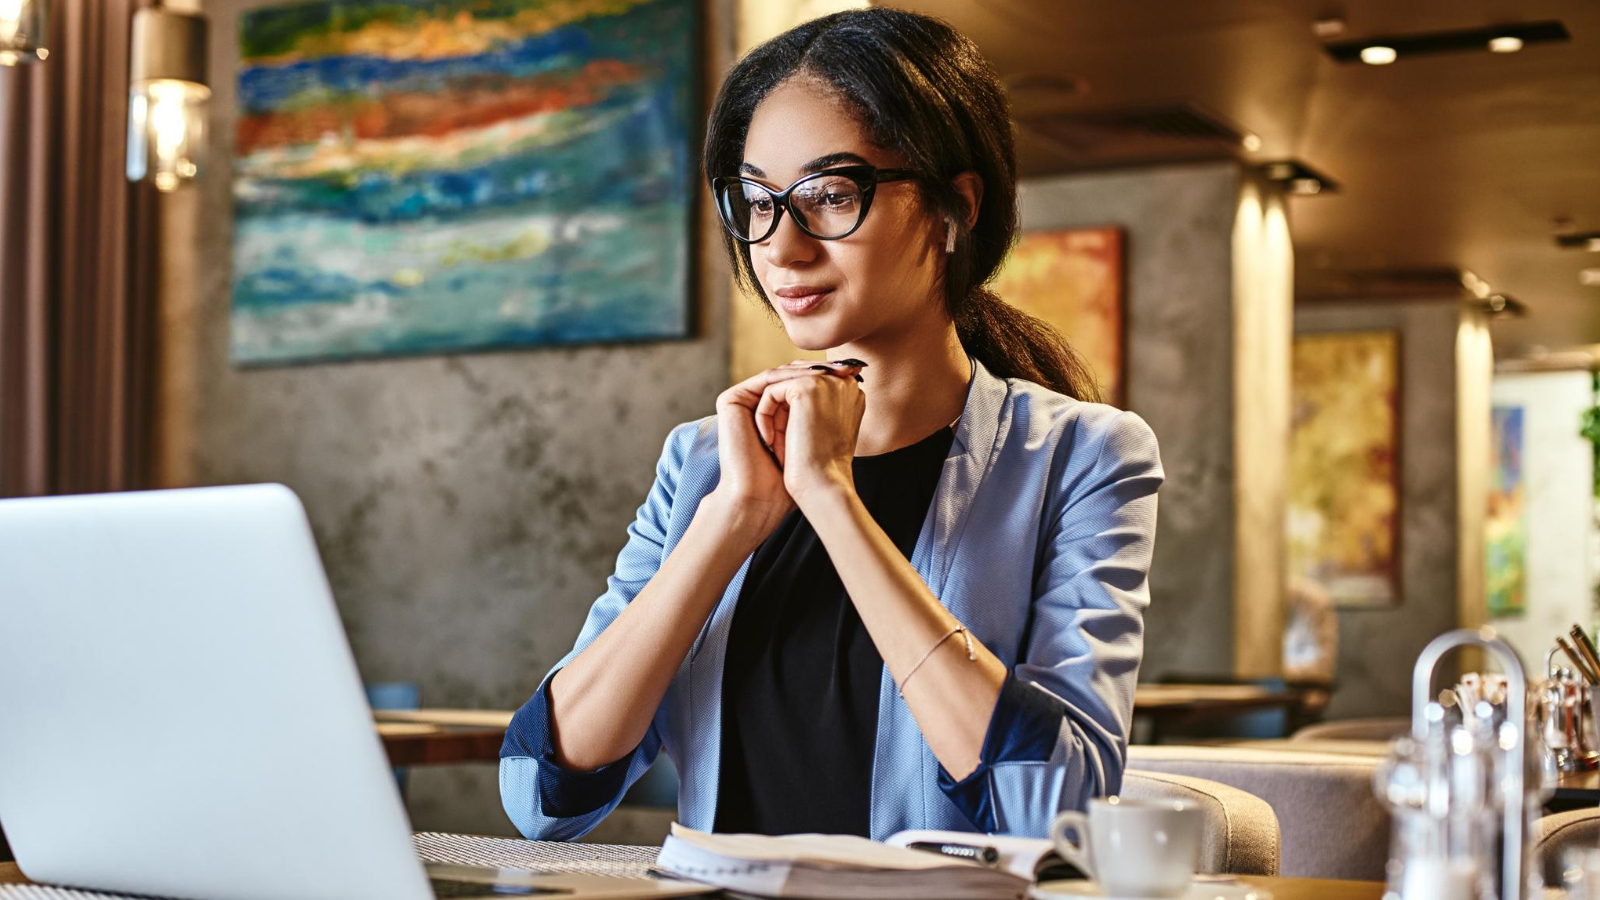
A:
[(988, 856)]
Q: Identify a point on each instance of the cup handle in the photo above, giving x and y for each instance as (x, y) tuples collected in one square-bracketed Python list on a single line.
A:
[(1075, 852)]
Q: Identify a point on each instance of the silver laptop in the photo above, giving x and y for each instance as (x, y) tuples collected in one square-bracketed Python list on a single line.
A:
[(180, 714)]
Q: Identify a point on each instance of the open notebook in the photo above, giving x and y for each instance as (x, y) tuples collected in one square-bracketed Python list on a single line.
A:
[(826, 866)]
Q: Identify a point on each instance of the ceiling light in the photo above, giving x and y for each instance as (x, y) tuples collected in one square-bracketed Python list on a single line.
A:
[(1589, 277), (1296, 177), (1381, 49), (1579, 240), (1378, 55), (1252, 142)]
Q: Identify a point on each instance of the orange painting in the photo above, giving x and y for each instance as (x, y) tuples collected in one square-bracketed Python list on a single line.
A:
[(1073, 279)]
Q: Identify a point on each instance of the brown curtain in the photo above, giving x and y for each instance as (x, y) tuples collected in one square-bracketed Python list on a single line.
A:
[(77, 266)]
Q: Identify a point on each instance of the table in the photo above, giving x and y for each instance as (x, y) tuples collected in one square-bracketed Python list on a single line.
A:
[(1183, 699), (1281, 888), (422, 737)]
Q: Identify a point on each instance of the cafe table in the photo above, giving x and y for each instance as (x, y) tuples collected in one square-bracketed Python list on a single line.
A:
[(1279, 888)]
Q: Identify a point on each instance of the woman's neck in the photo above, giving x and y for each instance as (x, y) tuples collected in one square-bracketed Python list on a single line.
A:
[(915, 385)]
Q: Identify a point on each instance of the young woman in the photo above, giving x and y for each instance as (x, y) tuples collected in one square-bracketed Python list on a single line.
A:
[(901, 590)]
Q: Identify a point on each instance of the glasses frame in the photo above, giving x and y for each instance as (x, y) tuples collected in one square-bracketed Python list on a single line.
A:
[(866, 177)]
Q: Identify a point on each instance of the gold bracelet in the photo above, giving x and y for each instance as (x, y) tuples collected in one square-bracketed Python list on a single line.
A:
[(959, 629)]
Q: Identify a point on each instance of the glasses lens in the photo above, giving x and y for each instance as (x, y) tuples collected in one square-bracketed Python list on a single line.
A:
[(747, 209), (828, 205)]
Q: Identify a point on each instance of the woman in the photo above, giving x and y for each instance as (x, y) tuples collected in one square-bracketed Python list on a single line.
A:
[(901, 590)]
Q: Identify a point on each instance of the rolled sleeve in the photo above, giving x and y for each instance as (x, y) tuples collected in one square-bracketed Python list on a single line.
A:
[(1058, 734), (563, 792)]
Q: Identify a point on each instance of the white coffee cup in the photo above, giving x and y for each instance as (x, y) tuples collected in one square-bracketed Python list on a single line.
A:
[(1132, 848)]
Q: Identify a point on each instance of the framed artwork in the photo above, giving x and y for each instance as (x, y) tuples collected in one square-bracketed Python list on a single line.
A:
[(1506, 540), (1073, 279), (1343, 489), (419, 176)]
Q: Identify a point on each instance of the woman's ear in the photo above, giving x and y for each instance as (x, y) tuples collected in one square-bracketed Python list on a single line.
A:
[(970, 188)]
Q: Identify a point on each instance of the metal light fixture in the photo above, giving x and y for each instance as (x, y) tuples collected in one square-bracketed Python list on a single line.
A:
[(23, 31), (167, 96)]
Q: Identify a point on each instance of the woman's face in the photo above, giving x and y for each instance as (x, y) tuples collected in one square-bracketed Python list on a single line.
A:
[(880, 279)]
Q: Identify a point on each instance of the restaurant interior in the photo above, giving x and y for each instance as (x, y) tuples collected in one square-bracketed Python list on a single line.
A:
[(1342, 257)]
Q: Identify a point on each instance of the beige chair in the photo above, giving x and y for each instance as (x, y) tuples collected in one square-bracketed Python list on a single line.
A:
[(1331, 821), (1240, 835), (1376, 729), (1554, 834)]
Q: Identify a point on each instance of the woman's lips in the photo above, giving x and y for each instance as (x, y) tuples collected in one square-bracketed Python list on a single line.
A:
[(799, 301)]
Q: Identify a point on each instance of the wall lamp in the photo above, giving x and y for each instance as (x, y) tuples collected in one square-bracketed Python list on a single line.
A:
[(167, 96), (24, 31)]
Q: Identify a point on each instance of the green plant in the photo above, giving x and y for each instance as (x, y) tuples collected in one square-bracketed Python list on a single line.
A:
[(1591, 430)]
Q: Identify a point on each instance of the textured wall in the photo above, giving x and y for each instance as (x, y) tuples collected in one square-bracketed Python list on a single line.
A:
[(1179, 223), (1558, 472), (1378, 646), (468, 507)]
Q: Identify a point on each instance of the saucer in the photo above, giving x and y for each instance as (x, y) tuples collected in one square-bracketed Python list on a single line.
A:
[(1202, 889)]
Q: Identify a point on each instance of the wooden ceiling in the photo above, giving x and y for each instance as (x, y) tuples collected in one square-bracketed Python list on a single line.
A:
[(1472, 161)]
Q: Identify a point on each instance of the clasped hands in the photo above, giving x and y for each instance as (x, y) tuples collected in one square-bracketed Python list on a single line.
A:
[(786, 435)]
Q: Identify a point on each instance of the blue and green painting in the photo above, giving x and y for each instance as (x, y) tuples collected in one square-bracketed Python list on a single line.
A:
[(418, 176)]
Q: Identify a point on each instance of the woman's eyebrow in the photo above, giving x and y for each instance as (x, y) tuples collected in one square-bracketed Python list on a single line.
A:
[(816, 165)]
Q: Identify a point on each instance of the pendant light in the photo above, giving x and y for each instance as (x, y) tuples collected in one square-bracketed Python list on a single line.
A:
[(167, 96), (24, 31)]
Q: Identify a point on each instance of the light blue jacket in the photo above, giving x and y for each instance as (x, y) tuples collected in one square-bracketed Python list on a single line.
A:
[(1038, 539)]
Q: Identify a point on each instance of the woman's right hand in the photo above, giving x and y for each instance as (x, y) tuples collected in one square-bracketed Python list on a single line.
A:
[(750, 491)]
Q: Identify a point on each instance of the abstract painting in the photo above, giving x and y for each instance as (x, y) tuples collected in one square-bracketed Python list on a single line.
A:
[(416, 176), (1506, 541), (1343, 493), (1073, 279)]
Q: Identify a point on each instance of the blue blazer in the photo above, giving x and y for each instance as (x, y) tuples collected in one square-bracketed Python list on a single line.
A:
[(1038, 539)]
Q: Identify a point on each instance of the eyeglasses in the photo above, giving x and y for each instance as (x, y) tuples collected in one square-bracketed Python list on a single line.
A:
[(828, 205)]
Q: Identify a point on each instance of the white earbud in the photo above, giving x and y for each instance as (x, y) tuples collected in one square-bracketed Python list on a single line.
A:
[(950, 235)]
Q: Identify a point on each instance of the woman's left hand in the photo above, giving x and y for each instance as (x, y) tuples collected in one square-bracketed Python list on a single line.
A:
[(811, 425)]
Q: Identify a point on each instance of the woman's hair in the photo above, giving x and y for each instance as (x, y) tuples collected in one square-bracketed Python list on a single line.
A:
[(920, 88)]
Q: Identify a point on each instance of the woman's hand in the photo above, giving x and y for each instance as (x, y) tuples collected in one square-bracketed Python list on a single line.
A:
[(811, 423), (751, 491)]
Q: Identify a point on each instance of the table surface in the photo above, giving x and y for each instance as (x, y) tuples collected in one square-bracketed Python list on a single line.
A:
[(419, 737), (1280, 888)]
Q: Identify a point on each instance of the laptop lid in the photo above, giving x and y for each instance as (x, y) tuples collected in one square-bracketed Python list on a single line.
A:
[(180, 714)]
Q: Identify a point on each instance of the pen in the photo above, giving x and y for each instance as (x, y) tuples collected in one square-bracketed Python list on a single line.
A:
[(988, 856)]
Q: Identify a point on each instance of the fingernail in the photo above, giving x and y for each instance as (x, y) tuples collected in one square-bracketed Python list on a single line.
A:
[(859, 378), (822, 368), (850, 362)]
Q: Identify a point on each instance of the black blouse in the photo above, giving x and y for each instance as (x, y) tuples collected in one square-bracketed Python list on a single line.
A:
[(801, 679)]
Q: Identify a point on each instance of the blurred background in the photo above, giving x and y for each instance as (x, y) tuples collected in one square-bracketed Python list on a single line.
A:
[(447, 269)]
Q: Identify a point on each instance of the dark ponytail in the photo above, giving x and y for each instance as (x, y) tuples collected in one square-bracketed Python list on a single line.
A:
[(924, 90)]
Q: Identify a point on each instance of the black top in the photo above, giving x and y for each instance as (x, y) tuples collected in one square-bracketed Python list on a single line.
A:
[(801, 678)]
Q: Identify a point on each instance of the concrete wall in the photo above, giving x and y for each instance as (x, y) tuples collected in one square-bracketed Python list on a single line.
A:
[(1558, 472), (468, 507), (1378, 646), (1179, 223)]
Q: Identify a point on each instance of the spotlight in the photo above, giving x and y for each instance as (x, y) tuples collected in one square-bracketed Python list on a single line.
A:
[(1505, 43), (1252, 142), (1378, 55), (1297, 178)]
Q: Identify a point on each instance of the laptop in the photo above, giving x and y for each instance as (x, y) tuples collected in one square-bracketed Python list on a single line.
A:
[(181, 716)]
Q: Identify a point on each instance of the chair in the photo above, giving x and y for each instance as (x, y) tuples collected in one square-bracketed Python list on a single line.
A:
[(1376, 729), (1553, 835), (1332, 823), (1240, 835)]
